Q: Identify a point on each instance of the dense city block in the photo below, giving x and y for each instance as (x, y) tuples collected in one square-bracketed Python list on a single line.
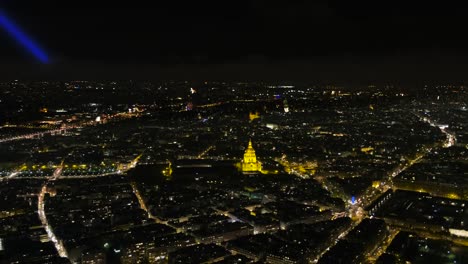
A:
[(232, 172)]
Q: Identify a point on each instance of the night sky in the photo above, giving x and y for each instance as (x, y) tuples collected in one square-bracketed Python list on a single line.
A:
[(259, 39)]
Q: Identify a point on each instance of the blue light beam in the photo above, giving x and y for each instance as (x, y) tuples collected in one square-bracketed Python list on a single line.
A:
[(21, 37)]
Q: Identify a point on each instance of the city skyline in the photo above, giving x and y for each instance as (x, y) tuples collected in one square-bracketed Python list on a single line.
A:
[(229, 132), (228, 172)]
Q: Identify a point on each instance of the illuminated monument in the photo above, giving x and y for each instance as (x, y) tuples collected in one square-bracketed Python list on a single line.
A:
[(250, 164), (253, 116)]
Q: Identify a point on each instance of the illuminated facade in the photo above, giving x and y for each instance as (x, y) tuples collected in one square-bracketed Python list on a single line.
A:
[(250, 164), (253, 116), (167, 172), (285, 106)]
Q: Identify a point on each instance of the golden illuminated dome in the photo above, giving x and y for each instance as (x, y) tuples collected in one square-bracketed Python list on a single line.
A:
[(250, 164)]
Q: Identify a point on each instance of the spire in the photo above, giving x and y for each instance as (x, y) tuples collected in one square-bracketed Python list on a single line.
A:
[(250, 143)]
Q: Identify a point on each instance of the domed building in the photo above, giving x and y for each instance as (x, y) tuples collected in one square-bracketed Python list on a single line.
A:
[(250, 165)]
